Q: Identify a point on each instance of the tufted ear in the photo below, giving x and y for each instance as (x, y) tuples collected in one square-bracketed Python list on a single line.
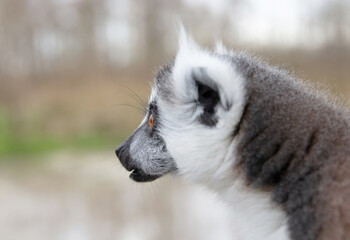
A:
[(207, 95), (198, 74), (207, 90), (205, 77)]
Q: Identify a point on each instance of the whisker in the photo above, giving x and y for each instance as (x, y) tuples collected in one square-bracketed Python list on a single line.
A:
[(139, 109), (142, 104), (141, 101)]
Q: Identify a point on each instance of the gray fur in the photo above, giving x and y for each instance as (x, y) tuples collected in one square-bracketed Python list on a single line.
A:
[(289, 138), (163, 82)]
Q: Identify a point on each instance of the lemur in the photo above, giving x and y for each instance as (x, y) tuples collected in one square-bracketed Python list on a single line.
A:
[(276, 150)]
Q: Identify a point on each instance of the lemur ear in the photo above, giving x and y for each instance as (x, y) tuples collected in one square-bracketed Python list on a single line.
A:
[(207, 90), (207, 95), (199, 74)]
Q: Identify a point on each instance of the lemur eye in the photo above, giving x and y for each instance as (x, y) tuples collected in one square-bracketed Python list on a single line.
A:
[(151, 120)]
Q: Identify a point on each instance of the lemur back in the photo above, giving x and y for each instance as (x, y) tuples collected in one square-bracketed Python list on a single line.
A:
[(296, 144)]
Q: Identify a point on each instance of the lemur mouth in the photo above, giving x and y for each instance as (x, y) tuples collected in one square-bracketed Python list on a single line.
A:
[(140, 176)]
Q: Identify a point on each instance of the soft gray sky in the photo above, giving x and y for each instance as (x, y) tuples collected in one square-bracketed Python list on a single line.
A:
[(263, 22), (258, 23), (120, 31)]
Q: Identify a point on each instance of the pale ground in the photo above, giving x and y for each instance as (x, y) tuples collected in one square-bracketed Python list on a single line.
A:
[(83, 196)]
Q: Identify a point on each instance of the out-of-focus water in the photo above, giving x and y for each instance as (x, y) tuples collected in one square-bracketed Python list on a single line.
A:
[(74, 196)]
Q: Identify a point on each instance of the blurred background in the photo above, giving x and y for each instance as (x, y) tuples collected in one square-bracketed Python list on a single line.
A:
[(71, 73)]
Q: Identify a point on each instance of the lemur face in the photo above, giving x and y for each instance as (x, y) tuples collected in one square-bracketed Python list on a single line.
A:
[(194, 108), (145, 152)]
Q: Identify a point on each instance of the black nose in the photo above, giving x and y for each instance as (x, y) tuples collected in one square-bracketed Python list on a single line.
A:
[(117, 151), (123, 154)]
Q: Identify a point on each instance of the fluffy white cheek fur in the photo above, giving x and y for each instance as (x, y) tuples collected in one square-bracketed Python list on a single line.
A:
[(200, 154)]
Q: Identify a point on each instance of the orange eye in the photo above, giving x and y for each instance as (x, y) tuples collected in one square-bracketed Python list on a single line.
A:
[(151, 121)]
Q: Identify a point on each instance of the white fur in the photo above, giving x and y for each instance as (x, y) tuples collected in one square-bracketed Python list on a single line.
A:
[(207, 155), (220, 48)]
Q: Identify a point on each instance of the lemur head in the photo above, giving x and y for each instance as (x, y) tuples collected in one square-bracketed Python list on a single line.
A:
[(194, 108)]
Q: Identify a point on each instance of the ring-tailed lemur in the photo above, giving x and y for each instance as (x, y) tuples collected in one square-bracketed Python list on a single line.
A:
[(275, 150)]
